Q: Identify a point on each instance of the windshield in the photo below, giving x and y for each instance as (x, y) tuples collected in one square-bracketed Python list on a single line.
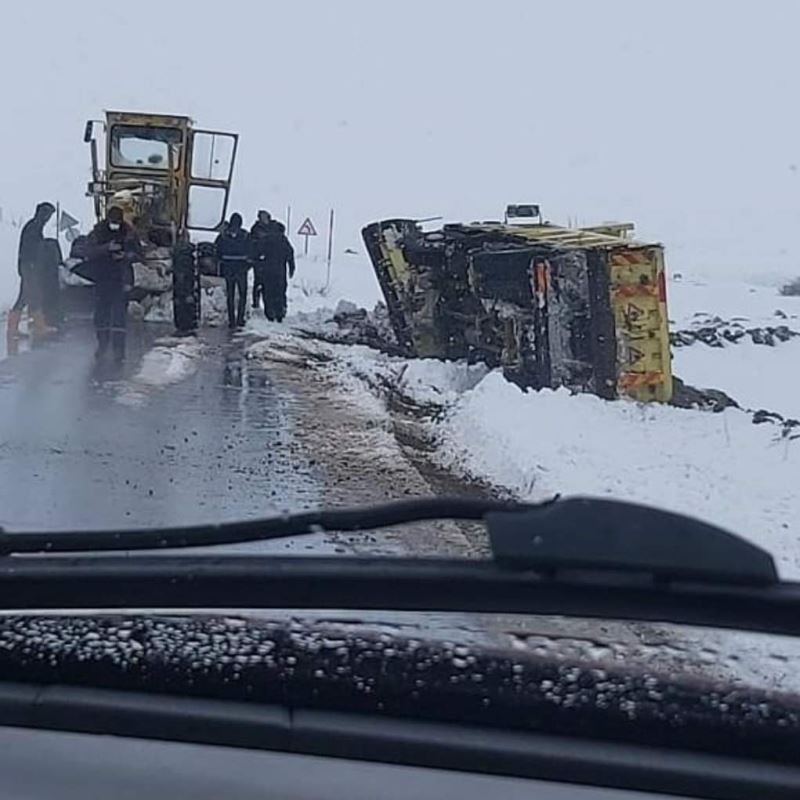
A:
[(525, 256), (144, 147)]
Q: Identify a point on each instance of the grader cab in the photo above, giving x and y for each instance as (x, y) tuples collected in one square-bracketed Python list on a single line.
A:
[(171, 180)]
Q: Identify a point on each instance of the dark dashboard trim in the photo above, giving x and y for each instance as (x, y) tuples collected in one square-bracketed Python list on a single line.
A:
[(383, 584), (374, 738)]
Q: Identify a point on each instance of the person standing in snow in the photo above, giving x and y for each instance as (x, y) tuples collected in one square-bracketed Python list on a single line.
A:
[(110, 250), (31, 241), (275, 256), (259, 230), (233, 251), (51, 260)]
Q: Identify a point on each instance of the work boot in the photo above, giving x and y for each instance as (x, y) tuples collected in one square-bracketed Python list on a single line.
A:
[(12, 325)]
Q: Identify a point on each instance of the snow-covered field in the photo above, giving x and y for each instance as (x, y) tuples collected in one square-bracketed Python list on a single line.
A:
[(757, 376), (721, 467)]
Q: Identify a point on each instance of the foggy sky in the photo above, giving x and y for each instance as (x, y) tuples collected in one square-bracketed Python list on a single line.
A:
[(681, 116)]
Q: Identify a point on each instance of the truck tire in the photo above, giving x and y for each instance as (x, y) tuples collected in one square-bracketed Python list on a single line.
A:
[(185, 288)]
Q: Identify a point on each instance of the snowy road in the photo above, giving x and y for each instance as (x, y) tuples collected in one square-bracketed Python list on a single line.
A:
[(188, 431)]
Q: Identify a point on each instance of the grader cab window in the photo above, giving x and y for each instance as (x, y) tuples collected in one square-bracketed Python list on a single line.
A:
[(142, 147), (206, 207), (213, 155)]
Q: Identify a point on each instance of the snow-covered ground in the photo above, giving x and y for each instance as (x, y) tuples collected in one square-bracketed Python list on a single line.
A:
[(731, 299), (720, 467), (757, 376)]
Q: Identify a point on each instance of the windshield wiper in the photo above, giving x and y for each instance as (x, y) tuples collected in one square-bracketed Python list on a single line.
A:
[(574, 557), (574, 533), (282, 527)]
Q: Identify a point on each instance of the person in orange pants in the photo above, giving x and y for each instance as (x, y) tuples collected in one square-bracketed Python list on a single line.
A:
[(31, 241)]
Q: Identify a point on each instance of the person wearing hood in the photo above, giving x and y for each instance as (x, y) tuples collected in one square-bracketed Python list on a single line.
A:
[(274, 256), (31, 243), (110, 250), (234, 258), (262, 223), (260, 229), (50, 263)]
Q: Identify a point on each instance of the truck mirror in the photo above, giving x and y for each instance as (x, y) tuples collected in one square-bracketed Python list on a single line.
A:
[(88, 131)]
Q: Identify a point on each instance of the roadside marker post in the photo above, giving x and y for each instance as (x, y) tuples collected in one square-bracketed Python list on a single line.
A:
[(330, 250)]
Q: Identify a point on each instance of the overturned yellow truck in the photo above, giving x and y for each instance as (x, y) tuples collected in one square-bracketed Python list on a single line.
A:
[(553, 306)]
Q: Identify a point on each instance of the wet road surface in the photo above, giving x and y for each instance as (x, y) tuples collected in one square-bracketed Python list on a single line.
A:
[(88, 445), (185, 431)]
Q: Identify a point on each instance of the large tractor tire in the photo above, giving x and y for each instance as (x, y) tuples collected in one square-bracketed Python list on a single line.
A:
[(185, 288)]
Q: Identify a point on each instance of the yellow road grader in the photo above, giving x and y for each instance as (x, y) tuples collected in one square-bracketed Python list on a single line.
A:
[(171, 179)]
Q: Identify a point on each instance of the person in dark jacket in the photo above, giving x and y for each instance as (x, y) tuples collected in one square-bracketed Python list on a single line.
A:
[(51, 260), (29, 269), (234, 258), (275, 255), (262, 223), (259, 230), (110, 250)]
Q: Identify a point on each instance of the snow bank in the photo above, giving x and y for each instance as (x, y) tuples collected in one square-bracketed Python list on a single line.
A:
[(172, 360), (720, 467), (431, 381), (169, 362)]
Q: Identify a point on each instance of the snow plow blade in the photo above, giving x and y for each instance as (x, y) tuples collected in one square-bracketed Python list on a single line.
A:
[(581, 308)]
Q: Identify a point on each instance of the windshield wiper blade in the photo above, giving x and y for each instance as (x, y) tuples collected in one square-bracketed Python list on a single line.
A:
[(289, 525), (557, 535)]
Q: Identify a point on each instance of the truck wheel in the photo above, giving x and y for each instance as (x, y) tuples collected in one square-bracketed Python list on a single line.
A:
[(185, 288)]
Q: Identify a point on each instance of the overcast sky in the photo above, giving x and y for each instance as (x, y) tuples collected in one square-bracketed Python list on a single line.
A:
[(682, 116)]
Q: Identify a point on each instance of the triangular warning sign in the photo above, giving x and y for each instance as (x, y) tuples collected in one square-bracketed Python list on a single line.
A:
[(307, 228), (67, 221)]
